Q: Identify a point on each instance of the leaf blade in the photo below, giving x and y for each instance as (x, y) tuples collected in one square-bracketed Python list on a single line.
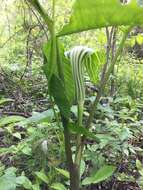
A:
[(100, 14), (102, 174)]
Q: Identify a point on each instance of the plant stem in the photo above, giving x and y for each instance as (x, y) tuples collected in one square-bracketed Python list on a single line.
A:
[(78, 144), (113, 48), (78, 153), (109, 37), (73, 170)]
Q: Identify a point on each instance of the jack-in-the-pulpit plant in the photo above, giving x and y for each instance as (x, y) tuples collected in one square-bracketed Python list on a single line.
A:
[(79, 56), (86, 15)]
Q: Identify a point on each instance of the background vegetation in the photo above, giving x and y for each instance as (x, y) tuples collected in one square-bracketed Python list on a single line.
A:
[(32, 146)]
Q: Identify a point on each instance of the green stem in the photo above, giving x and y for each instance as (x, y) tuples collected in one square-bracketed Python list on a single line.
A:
[(73, 170), (42, 12), (78, 154), (78, 144)]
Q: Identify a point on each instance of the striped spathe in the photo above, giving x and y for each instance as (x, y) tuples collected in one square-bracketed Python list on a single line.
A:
[(79, 56)]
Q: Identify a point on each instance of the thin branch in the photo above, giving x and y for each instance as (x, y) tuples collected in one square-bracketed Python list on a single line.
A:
[(27, 44), (38, 19), (113, 51), (109, 39), (11, 37)]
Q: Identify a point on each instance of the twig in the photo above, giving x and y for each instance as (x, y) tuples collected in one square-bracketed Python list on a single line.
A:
[(43, 27), (113, 51), (27, 44), (11, 37), (109, 39)]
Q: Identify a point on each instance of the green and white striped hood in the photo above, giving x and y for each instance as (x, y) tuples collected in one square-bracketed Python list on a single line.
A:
[(78, 56)]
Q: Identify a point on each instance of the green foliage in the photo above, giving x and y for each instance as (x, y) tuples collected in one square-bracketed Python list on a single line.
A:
[(42, 176), (9, 181), (103, 173), (10, 119), (49, 66), (57, 90), (100, 15), (94, 68), (42, 12), (58, 186), (139, 39), (69, 84), (63, 172), (5, 100), (38, 117), (130, 73), (62, 91), (82, 131), (33, 152), (140, 170), (117, 123)]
